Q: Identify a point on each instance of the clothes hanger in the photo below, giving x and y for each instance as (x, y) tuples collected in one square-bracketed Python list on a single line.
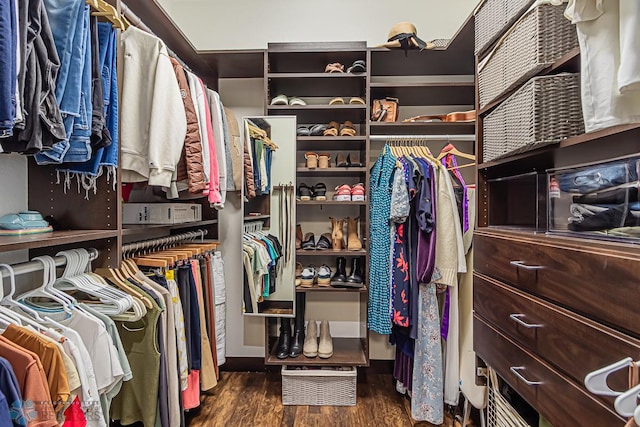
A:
[(8, 301), (626, 404), (596, 381), (49, 278), (109, 273), (451, 149)]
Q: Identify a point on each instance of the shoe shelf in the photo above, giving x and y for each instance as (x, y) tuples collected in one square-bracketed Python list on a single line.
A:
[(325, 289), (332, 252), (332, 171), (426, 128), (55, 238), (317, 107), (316, 76), (346, 352), (306, 143), (141, 229), (329, 202)]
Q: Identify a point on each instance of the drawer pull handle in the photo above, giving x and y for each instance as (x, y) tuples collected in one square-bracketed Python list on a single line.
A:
[(516, 317), (521, 264), (516, 371)]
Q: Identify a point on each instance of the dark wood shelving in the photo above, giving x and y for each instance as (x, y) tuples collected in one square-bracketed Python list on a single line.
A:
[(256, 217), (568, 62), (421, 84), (331, 252), (428, 128), (333, 171), (55, 238), (139, 229), (329, 202), (325, 289), (346, 352), (331, 143), (317, 107), (316, 75), (416, 94), (331, 138)]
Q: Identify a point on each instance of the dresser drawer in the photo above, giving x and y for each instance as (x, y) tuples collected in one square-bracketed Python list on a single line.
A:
[(598, 284), (572, 343), (561, 401)]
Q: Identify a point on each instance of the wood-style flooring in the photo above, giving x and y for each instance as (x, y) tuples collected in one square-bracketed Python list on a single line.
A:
[(248, 399)]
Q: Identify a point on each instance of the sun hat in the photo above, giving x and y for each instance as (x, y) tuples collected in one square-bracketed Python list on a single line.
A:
[(404, 35)]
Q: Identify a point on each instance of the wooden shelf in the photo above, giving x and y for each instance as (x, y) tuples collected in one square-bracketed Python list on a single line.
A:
[(416, 94), (256, 217), (317, 107), (568, 62), (331, 252), (139, 229), (329, 202), (55, 238), (426, 128), (346, 352), (331, 143), (325, 289), (333, 171), (422, 84), (315, 75)]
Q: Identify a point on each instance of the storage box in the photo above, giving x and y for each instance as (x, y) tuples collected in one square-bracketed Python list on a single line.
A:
[(493, 17), (319, 387), (546, 110), (600, 200), (541, 37), (160, 213)]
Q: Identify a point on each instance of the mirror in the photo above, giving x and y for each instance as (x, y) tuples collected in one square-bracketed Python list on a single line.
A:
[(269, 215)]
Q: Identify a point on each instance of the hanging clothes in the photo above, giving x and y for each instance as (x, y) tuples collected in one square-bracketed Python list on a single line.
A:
[(261, 254)]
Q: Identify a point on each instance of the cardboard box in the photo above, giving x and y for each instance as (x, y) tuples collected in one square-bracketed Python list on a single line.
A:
[(161, 213)]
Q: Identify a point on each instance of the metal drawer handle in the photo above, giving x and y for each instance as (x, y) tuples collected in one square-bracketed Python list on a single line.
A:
[(516, 369), (521, 264), (516, 318)]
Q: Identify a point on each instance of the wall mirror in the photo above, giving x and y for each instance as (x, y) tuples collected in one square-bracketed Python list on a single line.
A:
[(269, 216)]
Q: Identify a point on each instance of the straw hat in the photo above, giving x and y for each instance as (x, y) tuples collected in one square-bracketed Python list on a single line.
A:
[(404, 35)]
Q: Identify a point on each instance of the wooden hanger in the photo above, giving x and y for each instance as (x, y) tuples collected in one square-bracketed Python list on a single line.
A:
[(451, 149), (107, 11), (110, 274)]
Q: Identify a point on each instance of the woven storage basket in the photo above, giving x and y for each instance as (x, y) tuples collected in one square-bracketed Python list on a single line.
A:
[(541, 37), (321, 387), (499, 412), (546, 110), (493, 17)]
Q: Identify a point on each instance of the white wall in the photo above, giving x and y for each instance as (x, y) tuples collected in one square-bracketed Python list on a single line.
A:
[(13, 195), (250, 24)]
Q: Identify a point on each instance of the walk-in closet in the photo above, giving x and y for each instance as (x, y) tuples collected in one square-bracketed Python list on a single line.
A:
[(333, 214)]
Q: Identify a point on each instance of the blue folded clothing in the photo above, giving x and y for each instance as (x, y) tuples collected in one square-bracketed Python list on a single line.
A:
[(23, 221)]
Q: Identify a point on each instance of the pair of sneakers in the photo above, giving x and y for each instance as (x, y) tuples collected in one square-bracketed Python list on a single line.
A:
[(312, 275), (346, 193)]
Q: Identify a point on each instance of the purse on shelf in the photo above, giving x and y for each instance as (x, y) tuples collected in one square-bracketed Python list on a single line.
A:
[(385, 110)]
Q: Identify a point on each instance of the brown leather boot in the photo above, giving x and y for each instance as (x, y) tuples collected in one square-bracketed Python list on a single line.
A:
[(337, 234), (353, 241), (298, 236)]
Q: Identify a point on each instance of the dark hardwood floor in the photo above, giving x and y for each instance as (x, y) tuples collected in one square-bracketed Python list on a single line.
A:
[(245, 399)]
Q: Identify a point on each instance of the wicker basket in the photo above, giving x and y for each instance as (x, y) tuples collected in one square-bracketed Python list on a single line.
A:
[(499, 412), (541, 37), (320, 387), (546, 110), (495, 16)]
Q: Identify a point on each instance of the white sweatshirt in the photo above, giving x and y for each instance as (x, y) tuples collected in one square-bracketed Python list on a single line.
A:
[(152, 120)]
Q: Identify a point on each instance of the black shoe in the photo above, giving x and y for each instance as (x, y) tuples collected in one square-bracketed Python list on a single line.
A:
[(309, 242), (340, 277), (284, 340), (297, 343), (355, 278)]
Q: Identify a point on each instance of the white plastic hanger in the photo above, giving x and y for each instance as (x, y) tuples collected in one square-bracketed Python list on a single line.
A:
[(636, 415), (49, 274), (627, 402), (596, 381)]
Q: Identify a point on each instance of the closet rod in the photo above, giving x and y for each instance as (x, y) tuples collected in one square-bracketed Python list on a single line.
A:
[(137, 22), (423, 137), (176, 238), (33, 266)]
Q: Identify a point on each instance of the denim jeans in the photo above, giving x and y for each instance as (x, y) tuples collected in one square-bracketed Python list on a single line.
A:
[(599, 177), (75, 104), (8, 71)]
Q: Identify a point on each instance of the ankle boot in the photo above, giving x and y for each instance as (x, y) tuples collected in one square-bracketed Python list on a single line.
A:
[(297, 342), (337, 234), (340, 275), (298, 236), (355, 278), (325, 345), (353, 241), (311, 340), (284, 339)]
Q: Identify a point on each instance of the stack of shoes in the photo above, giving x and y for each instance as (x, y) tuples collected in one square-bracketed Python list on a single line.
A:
[(316, 192), (311, 276), (314, 347), (353, 280), (347, 193), (334, 129)]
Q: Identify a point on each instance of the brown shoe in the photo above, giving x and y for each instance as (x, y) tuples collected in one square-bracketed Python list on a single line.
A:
[(337, 234), (298, 236), (323, 160), (353, 241)]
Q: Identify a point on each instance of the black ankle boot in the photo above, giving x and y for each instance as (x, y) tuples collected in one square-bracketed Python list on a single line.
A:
[(340, 276), (355, 278), (284, 340), (297, 342)]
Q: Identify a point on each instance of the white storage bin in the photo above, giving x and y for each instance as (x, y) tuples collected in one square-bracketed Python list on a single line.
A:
[(160, 213), (319, 387)]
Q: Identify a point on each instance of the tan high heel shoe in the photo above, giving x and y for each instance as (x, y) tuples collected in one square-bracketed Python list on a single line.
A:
[(353, 241), (298, 236), (337, 234)]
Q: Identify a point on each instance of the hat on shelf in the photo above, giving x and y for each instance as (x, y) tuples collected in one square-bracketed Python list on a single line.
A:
[(404, 35)]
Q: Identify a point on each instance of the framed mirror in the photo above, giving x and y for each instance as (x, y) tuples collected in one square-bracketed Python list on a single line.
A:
[(269, 216)]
